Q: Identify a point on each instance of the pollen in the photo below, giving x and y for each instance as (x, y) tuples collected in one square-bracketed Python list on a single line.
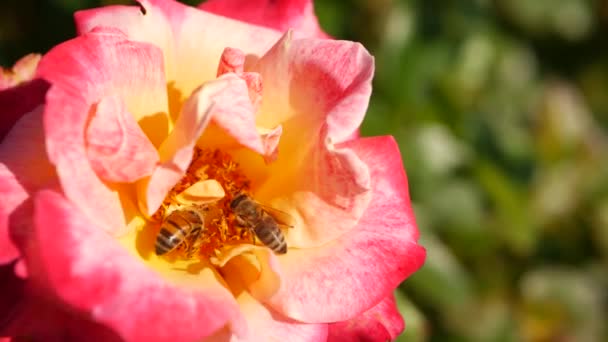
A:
[(219, 229)]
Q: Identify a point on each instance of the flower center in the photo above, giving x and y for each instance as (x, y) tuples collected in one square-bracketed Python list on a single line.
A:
[(218, 228)]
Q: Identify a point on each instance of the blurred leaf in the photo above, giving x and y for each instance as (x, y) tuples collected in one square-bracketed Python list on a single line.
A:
[(415, 323), (509, 201), (572, 19), (442, 282), (562, 304)]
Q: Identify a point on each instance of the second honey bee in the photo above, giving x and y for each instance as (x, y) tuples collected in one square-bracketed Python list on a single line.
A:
[(180, 226), (263, 221)]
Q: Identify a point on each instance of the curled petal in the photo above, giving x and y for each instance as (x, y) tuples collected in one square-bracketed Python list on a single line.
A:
[(211, 99), (376, 255), (117, 148), (83, 71), (338, 192), (146, 24), (235, 114), (232, 60), (254, 85), (187, 36), (264, 324), (312, 83), (281, 15), (319, 105), (256, 267), (382, 322), (91, 273), (226, 101)]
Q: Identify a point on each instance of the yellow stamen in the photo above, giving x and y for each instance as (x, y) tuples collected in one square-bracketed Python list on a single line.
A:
[(220, 229)]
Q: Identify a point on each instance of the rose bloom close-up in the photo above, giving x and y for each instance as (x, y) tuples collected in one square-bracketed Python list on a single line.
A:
[(176, 173)]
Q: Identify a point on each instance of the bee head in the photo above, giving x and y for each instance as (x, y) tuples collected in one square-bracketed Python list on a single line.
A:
[(236, 200)]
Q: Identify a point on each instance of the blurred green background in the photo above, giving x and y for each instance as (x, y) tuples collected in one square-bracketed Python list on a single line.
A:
[(501, 112)]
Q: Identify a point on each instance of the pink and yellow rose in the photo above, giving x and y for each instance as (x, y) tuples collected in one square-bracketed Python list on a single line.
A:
[(156, 105)]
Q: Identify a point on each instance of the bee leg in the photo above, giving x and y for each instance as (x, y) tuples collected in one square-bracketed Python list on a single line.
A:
[(252, 236), (193, 242)]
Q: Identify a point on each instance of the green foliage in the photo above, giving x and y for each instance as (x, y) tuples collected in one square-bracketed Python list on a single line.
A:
[(500, 109)]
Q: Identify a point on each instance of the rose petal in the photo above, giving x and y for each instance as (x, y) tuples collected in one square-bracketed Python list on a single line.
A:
[(233, 61), (20, 100), (23, 70), (24, 312), (315, 84), (256, 267), (24, 168), (145, 23), (92, 273), (319, 105), (187, 36), (23, 151), (379, 253), (382, 322), (8, 249), (117, 148), (214, 98), (266, 325), (83, 71), (12, 299), (235, 115), (281, 15), (329, 194), (337, 194), (271, 139)]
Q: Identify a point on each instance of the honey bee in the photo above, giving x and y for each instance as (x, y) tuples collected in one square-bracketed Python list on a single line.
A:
[(182, 225), (263, 221)]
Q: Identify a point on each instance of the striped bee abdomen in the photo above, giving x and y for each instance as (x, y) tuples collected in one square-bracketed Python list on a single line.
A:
[(268, 231), (178, 226)]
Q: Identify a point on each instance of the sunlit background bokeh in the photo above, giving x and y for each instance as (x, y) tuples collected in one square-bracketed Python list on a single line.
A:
[(500, 109)]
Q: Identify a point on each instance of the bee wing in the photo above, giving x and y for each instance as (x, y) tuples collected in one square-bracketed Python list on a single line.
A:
[(281, 217)]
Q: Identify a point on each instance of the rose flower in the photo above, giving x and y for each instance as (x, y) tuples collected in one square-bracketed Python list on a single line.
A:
[(127, 157)]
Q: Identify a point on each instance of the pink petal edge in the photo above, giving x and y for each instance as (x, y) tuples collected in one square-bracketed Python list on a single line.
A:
[(264, 324), (24, 168), (320, 82), (382, 322), (83, 71), (280, 15), (187, 36), (377, 255), (91, 272), (319, 91)]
